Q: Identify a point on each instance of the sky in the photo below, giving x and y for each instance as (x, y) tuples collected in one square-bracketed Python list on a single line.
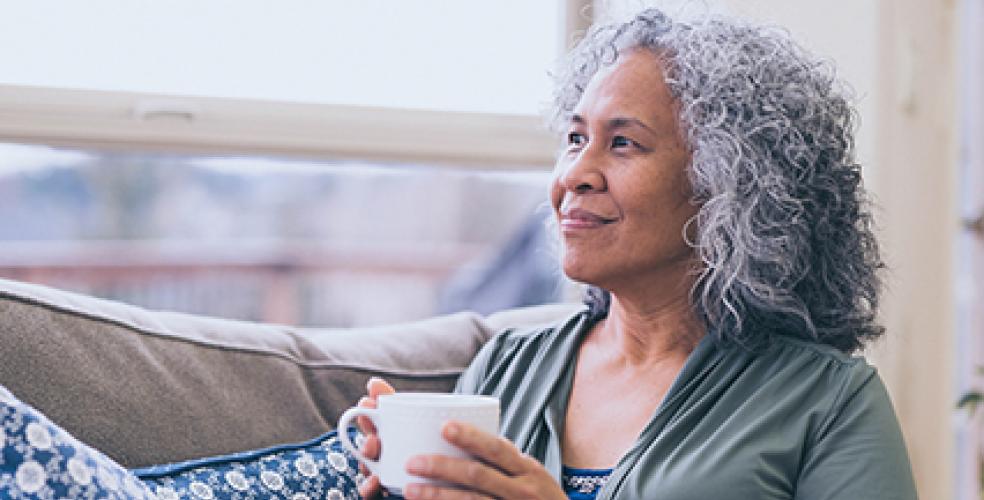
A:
[(463, 55)]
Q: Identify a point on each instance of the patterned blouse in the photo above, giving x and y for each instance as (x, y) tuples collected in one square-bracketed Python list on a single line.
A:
[(583, 484)]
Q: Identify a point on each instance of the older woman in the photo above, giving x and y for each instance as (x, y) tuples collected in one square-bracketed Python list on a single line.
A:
[(707, 192)]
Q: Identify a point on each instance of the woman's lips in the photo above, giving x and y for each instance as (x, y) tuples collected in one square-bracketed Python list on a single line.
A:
[(582, 219)]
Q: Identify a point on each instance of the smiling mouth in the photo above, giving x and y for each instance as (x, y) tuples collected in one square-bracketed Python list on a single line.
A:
[(582, 219)]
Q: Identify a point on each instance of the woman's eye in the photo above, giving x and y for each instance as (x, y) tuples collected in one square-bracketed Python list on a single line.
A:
[(620, 141), (575, 139)]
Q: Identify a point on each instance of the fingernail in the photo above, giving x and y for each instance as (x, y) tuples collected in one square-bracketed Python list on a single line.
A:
[(452, 430), (416, 465), (411, 491)]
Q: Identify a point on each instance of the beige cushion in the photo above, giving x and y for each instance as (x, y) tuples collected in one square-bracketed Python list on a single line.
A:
[(151, 387)]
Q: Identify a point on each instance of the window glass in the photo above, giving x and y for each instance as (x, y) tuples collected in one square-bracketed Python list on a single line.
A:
[(299, 242), (465, 55)]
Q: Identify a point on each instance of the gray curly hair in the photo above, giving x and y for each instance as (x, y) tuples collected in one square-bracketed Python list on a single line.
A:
[(784, 230)]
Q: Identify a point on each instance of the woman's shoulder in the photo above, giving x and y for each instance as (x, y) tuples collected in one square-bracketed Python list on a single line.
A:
[(539, 336), (818, 375), (529, 346), (846, 414), (789, 350)]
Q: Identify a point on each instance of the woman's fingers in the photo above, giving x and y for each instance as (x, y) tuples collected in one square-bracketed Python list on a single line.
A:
[(364, 423), (370, 488), (496, 469), (377, 386), (370, 448), (491, 449), (431, 492), (474, 475)]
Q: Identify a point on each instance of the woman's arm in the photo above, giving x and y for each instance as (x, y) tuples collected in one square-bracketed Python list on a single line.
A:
[(858, 452)]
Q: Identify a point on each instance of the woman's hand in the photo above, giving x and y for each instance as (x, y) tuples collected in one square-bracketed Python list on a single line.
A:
[(499, 470), (375, 387)]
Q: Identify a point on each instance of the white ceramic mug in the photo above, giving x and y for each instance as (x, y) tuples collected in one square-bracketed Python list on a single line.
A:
[(409, 424)]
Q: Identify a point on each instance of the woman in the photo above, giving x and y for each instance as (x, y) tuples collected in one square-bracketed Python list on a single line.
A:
[(708, 194)]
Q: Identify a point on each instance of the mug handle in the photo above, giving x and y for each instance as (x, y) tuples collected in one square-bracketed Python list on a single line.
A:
[(343, 424)]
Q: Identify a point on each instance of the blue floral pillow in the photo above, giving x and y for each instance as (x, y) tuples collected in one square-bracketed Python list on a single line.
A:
[(38, 459), (319, 468)]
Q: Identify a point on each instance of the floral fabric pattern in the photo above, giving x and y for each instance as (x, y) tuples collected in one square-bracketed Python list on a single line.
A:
[(317, 469), (39, 460)]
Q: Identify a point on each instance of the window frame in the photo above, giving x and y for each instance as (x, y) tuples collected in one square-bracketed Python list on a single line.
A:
[(208, 125), (968, 289)]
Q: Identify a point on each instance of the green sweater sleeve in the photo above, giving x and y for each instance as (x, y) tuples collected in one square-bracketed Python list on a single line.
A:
[(858, 452), (476, 373)]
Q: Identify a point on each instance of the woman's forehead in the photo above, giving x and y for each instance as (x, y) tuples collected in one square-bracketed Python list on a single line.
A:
[(634, 85)]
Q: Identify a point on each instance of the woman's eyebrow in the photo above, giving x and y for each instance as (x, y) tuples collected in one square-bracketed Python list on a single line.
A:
[(622, 122), (615, 123)]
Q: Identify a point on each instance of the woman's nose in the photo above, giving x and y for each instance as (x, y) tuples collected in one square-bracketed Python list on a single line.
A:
[(582, 173)]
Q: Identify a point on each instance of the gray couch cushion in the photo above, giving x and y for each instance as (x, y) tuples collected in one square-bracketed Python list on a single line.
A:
[(150, 387)]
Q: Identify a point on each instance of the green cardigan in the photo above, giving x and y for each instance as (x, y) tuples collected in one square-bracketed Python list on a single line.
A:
[(800, 420)]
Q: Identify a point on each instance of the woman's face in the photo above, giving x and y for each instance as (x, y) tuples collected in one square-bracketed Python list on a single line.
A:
[(620, 189)]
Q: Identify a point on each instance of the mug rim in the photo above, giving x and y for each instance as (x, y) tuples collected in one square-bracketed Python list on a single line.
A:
[(438, 399)]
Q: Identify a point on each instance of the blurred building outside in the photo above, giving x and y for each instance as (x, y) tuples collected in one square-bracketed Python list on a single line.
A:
[(301, 243)]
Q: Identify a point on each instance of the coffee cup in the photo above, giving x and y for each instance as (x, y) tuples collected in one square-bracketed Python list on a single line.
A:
[(409, 424)]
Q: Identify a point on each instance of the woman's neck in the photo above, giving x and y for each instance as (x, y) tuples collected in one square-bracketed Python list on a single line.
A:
[(644, 334)]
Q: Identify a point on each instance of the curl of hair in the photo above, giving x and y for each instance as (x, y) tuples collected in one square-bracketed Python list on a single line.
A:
[(784, 229)]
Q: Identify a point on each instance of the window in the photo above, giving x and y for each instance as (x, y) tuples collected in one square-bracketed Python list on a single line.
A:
[(470, 56), (969, 355), (437, 79), (327, 163), (312, 243)]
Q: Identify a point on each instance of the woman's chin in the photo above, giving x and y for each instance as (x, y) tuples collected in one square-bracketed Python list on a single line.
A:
[(580, 274)]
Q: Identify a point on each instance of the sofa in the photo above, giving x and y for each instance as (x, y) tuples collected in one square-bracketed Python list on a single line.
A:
[(150, 387)]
